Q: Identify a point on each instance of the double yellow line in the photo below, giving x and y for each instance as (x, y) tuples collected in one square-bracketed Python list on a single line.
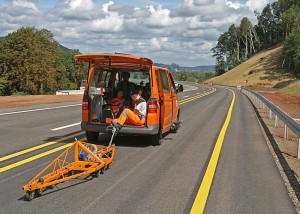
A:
[(212, 90), (27, 160)]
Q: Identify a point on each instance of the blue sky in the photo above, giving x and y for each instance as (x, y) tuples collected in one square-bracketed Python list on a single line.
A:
[(167, 31)]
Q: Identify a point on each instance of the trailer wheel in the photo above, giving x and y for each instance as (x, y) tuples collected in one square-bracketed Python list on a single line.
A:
[(51, 187), (30, 195), (38, 192), (96, 174), (91, 136)]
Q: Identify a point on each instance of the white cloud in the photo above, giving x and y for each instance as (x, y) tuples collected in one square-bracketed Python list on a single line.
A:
[(257, 5), (24, 4), (183, 34)]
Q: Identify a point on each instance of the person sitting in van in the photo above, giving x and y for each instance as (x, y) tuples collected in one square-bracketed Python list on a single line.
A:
[(117, 104), (135, 117), (126, 86)]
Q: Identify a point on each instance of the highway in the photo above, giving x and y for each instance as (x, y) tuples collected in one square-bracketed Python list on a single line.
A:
[(218, 162)]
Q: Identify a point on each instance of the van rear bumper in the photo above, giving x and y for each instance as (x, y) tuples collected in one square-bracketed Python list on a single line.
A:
[(126, 129)]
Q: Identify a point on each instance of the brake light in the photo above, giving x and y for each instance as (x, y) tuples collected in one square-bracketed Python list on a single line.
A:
[(85, 104), (152, 107)]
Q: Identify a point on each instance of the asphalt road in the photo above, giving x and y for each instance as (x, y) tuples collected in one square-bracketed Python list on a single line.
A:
[(144, 178)]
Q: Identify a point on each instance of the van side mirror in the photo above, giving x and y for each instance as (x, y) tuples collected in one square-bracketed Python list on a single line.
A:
[(179, 88)]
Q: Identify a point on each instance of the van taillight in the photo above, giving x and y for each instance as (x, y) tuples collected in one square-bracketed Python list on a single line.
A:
[(85, 104), (152, 107)]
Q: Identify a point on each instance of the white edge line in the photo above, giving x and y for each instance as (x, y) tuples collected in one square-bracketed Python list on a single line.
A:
[(40, 109), (67, 126)]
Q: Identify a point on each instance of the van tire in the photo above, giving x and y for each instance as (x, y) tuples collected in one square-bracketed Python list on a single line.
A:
[(91, 136), (157, 139)]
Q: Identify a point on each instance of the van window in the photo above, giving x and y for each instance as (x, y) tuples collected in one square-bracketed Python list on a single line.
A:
[(157, 80), (172, 83), (165, 82), (101, 76)]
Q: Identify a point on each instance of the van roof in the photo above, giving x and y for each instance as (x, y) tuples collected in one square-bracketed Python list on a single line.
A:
[(114, 59)]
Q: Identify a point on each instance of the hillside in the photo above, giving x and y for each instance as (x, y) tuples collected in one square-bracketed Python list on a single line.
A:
[(262, 71), (264, 74)]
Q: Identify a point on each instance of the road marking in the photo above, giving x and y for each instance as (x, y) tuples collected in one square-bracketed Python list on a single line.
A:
[(197, 97), (67, 126), (39, 109), (27, 160), (186, 96), (37, 147), (201, 198)]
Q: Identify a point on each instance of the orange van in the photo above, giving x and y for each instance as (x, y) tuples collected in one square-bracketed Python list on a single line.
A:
[(106, 73)]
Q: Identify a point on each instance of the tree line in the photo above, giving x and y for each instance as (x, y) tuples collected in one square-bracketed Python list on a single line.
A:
[(32, 62), (277, 23)]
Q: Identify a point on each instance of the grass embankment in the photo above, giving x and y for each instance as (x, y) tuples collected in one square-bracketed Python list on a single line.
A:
[(261, 72)]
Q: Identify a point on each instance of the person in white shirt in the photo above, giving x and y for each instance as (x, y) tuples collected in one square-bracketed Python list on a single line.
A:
[(135, 117)]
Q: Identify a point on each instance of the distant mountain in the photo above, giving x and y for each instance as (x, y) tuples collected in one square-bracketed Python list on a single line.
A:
[(175, 67)]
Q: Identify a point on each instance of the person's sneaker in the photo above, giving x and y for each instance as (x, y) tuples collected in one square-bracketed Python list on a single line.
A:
[(116, 125)]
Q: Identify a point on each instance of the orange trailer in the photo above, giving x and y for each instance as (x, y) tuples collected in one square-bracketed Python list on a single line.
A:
[(79, 159)]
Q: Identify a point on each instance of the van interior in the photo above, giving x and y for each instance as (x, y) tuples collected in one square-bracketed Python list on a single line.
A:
[(103, 87)]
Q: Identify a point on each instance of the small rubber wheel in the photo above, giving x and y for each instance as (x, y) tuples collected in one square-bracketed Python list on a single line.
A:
[(51, 187), (96, 174), (30, 195), (38, 192)]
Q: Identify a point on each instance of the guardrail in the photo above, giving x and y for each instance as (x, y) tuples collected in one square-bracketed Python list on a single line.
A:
[(289, 122)]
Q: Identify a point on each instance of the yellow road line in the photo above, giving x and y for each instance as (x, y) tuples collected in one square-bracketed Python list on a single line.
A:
[(27, 160), (201, 198), (37, 147), (197, 97)]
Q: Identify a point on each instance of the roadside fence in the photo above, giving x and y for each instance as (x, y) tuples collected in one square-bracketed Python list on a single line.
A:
[(276, 113)]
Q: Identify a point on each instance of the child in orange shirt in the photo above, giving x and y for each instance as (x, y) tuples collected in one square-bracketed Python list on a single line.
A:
[(117, 104)]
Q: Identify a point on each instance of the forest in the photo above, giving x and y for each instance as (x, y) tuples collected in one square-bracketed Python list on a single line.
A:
[(277, 23), (32, 62)]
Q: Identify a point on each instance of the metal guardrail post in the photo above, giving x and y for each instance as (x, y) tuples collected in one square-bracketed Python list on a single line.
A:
[(285, 131), (276, 121), (270, 114), (298, 156)]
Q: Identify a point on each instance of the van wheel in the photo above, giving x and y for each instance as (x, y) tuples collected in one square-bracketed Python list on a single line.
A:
[(157, 139), (91, 136), (175, 126)]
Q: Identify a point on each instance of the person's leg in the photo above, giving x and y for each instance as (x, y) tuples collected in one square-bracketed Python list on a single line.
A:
[(127, 116)]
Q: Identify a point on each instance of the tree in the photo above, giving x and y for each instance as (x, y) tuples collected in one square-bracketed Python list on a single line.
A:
[(30, 59), (234, 43), (75, 72), (221, 53), (292, 51), (270, 25), (291, 19)]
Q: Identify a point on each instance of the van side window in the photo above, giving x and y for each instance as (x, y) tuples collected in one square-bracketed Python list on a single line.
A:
[(157, 80), (165, 81), (173, 83)]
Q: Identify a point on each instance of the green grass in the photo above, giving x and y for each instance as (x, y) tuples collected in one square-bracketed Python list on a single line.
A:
[(292, 88)]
